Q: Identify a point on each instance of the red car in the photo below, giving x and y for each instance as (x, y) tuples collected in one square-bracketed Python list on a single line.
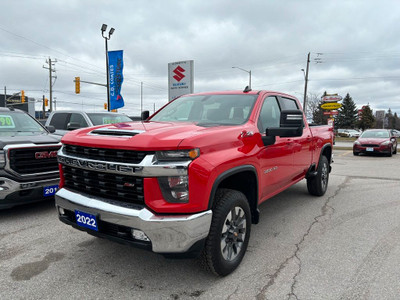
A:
[(376, 141)]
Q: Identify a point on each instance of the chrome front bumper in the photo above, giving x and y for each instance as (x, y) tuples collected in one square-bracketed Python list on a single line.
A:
[(9, 186), (167, 233)]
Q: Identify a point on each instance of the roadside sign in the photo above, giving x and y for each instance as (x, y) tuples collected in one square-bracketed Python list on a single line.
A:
[(331, 98), (331, 105), (331, 113)]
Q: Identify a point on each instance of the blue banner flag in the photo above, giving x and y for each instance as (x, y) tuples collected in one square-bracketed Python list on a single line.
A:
[(116, 64)]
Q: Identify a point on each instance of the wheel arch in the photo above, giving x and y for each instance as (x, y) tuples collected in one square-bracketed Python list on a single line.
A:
[(243, 179)]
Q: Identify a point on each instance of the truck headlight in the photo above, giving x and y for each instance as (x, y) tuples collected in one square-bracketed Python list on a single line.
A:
[(176, 155), (175, 189), (2, 158)]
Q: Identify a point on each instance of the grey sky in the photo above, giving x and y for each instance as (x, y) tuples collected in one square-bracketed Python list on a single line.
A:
[(359, 42)]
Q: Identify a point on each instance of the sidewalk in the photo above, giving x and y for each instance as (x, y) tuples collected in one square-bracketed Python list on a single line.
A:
[(343, 146)]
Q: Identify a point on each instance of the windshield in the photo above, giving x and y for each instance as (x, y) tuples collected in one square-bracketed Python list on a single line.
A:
[(208, 109), (18, 123), (375, 134), (102, 118)]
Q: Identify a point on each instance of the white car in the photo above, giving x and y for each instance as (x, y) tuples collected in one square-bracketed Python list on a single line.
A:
[(352, 133), (395, 133), (64, 121)]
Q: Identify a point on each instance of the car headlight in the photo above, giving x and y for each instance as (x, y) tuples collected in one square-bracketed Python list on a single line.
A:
[(177, 155), (2, 158), (385, 143), (357, 143)]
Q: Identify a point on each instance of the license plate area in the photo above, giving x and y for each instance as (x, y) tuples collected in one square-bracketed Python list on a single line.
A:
[(86, 220), (370, 149), (50, 190)]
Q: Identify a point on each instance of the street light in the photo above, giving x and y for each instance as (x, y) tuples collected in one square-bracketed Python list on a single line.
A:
[(103, 30), (246, 72)]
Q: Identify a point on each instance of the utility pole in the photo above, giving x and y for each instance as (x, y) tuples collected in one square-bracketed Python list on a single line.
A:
[(51, 70), (141, 97), (305, 84), (44, 108)]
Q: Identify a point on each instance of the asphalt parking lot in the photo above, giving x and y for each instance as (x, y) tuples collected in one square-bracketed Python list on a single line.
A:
[(344, 245)]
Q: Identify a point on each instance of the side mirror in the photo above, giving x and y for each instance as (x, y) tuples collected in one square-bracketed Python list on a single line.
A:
[(73, 126), (291, 125), (51, 128), (145, 115)]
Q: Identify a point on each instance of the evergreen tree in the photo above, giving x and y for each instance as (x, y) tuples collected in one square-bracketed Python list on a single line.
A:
[(396, 121), (367, 119), (348, 113), (389, 120), (318, 114)]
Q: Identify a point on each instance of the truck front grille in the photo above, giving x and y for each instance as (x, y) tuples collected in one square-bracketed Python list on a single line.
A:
[(34, 160), (109, 155), (126, 189)]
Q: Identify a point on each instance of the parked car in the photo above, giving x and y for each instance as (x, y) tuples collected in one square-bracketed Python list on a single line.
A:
[(342, 133), (353, 133), (65, 121), (379, 141), (28, 159), (348, 133), (395, 133)]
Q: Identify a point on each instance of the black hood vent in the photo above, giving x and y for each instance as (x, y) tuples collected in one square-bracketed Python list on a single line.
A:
[(116, 132)]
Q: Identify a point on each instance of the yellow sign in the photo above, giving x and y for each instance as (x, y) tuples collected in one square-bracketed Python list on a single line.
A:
[(331, 105)]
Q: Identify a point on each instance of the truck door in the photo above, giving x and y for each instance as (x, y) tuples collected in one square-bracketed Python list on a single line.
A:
[(301, 145), (276, 161)]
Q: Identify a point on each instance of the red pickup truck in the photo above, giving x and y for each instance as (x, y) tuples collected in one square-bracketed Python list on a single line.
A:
[(188, 180)]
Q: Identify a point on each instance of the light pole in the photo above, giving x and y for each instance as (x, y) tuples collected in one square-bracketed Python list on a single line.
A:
[(246, 72), (103, 30)]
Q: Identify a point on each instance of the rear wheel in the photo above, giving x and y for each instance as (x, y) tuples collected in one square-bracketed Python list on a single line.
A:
[(229, 234), (318, 184)]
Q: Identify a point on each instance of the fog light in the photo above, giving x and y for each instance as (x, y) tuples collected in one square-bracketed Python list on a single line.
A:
[(175, 189), (140, 235), (61, 211)]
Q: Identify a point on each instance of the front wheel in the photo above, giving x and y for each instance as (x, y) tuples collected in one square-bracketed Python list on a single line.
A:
[(229, 234), (318, 184)]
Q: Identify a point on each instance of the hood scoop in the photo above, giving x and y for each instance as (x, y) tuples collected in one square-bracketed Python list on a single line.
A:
[(116, 132)]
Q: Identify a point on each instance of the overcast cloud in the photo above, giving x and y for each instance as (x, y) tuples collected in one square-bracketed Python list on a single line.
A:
[(356, 42)]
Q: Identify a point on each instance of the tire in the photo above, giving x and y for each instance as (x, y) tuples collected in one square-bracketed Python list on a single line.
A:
[(395, 150), (229, 234), (355, 153), (318, 184)]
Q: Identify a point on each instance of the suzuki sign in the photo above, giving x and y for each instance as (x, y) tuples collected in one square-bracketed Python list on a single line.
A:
[(180, 78)]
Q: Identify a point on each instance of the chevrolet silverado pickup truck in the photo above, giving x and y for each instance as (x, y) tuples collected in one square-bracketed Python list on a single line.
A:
[(28, 159), (188, 181)]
